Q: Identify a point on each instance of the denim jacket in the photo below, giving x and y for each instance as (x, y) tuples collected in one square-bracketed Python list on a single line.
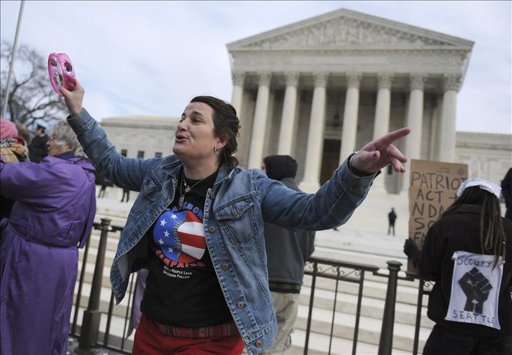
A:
[(235, 210)]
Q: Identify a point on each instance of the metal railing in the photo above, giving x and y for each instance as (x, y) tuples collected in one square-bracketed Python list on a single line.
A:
[(91, 328), (339, 272)]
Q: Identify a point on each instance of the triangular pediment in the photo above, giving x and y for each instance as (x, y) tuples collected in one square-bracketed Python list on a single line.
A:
[(348, 29)]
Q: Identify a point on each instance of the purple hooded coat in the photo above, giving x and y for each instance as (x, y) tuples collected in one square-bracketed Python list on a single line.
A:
[(52, 216)]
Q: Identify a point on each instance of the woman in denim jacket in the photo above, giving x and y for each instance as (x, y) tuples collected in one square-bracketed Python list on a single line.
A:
[(197, 226)]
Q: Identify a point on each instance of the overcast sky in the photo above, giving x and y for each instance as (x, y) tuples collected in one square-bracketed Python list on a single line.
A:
[(151, 58)]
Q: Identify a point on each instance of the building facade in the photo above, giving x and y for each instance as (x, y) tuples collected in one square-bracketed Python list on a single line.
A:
[(321, 88), (488, 155), (141, 137)]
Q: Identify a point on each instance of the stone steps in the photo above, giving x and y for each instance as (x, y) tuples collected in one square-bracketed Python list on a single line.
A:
[(319, 345), (343, 330)]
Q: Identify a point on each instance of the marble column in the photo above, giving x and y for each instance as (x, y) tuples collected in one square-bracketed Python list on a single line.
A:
[(381, 123), (383, 106), (260, 122), (447, 132), (414, 122), (313, 163), (238, 90), (349, 132), (288, 118)]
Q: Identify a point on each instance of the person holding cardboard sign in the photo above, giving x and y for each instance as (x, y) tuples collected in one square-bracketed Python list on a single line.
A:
[(468, 253)]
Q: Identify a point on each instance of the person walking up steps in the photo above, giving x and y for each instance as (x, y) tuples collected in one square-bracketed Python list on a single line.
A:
[(391, 220)]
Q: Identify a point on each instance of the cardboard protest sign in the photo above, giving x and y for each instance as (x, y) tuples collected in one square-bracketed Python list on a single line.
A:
[(432, 189)]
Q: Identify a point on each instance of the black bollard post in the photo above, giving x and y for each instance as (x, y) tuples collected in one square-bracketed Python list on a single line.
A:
[(92, 316), (386, 334)]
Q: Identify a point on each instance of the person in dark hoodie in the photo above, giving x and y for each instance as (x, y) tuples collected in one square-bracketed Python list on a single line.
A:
[(287, 252), (37, 148), (468, 253)]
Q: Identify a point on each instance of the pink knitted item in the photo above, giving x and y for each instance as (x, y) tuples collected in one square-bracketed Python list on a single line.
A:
[(7, 129)]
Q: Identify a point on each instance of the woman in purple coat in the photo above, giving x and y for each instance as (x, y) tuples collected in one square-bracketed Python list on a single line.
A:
[(51, 218)]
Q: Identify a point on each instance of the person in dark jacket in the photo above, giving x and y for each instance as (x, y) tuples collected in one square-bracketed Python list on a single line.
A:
[(287, 252), (37, 148), (468, 253)]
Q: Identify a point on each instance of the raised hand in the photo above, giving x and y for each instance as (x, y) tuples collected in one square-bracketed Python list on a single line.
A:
[(380, 153), (74, 97)]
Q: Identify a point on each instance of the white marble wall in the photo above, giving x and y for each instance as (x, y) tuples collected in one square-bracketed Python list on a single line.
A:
[(488, 155)]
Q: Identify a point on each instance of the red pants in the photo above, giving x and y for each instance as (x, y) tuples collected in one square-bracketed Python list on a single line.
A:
[(149, 340)]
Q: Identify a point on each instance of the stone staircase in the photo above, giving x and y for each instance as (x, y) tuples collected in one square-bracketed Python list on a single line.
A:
[(347, 245)]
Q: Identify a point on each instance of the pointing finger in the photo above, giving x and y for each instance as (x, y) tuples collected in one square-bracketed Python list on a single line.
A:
[(393, 136)]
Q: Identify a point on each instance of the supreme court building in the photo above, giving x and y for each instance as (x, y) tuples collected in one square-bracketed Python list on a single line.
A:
[(321, 88)]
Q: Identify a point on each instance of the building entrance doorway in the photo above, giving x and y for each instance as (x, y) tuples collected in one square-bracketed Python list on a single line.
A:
[(330, 158)]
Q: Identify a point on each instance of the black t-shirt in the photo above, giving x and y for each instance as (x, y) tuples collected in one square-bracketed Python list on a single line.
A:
[(182, 288)]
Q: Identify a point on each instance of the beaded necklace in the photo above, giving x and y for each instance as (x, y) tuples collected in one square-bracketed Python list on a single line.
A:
[(187, 188)]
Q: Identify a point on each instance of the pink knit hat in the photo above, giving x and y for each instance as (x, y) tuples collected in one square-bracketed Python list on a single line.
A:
[(7, 129)]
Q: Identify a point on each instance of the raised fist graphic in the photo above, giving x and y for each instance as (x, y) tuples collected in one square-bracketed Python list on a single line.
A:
[(476, 288)]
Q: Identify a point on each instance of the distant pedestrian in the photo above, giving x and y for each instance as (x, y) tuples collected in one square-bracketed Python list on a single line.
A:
[(126, 193), (103, 189), (391, 220)]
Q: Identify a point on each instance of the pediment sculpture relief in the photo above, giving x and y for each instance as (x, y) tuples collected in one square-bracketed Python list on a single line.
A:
[(344, 31)]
